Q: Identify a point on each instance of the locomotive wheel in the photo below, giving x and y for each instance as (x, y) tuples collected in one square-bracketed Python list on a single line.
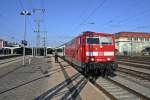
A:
[(115, 66), (92, 79), (104, 72), (111, 70), (84, 71)]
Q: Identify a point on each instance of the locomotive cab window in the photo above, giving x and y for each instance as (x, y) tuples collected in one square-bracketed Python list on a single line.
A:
[(93, 40), (99, 40), (106, 40)]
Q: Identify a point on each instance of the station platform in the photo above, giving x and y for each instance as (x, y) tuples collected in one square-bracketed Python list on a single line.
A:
[(68, 84), (44, 79)]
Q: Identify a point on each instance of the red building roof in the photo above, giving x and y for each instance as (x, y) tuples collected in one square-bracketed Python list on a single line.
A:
[(132, 34)]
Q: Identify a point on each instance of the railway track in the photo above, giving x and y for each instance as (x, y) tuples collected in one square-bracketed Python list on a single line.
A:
[(137, 80), (114, 88), (8, 56), (117, 91), (9, 60), (135, 58), (133, 64), (135, 73), (135, 61)]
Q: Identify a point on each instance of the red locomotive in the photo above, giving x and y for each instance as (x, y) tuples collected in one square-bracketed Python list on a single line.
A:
[(92, 53)]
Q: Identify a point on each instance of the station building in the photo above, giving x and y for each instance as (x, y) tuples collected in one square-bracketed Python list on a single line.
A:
[(3, 43), (131, 43), (3, 49), (8, 47)]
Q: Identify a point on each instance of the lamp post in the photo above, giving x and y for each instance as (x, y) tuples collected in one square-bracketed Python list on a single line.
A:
[(24, 13)]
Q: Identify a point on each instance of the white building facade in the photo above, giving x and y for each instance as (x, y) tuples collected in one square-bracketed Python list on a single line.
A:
[(131, 43)]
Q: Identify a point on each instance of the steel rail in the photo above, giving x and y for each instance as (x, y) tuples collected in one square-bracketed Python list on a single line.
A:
[(109, 84), (134, 65), (134, 73), (1, 63)]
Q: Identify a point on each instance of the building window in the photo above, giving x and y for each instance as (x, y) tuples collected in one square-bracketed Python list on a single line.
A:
[(130, 38), (141, 39), (146, 39), (136, 39)]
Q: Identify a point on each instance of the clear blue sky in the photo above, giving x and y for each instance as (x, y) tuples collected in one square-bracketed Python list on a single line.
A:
[(62, 18)]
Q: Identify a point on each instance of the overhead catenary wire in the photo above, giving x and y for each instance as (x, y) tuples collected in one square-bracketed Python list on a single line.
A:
[(100, 5), (130, 18), (94, 11), (114, 23), (136, 27), (125, 20), (85, 10), (21, 4), (134, 16)]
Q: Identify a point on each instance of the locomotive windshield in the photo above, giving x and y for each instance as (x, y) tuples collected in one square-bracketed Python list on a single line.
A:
[(105, 40), (99, 40), (93, 40)]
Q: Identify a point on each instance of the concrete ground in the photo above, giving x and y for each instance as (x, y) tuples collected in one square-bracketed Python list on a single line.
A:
[(45, 80)]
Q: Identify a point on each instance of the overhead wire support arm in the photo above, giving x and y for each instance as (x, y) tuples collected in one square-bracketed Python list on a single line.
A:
[(92, 13)]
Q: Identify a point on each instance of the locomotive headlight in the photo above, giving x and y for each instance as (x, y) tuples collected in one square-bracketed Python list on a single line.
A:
[(101, 46), (108, 59), (92, 59)]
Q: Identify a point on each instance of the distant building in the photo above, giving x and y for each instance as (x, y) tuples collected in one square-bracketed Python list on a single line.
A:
[(131, 43), (3, 43), (13, 44), (8, 47)]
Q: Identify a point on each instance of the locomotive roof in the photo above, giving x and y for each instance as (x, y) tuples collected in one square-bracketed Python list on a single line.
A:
[(89, 33)]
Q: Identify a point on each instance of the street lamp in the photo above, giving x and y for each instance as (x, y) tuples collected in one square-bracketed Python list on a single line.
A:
[(24, 13)]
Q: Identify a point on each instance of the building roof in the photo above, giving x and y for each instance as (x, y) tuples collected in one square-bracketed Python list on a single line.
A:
[(132, 34), (1, 39), (88, 33)]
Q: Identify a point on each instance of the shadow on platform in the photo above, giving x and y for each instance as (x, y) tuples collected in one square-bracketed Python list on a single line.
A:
[(34, 80), (9, 72), (73, 91)]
